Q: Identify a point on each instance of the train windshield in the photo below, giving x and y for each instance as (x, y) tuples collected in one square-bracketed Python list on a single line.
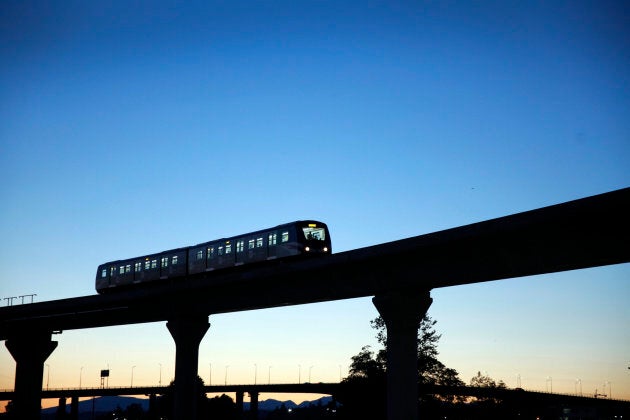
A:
[(313, 233)]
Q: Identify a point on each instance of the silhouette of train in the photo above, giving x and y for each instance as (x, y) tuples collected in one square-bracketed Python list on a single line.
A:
[(307, 237)]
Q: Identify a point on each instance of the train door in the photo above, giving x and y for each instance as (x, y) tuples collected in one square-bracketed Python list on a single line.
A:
[(173, 264), (287, 242), (241, 255), (272, 245), (151, 268), (196, 259), (225, 254)]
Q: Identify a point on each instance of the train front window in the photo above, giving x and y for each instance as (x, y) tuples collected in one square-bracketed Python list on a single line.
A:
[(313, 233)]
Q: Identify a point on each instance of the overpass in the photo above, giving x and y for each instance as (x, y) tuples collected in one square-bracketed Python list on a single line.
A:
[(399, 275), (514, 396)]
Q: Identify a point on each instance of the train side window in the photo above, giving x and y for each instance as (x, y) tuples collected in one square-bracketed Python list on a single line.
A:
[(259, 242), (228, 248), (200, 255), (220, 250), (104, 273), (273, 237), (153, 263), (137, 267), (121, 270), (240, 245), (147, 264), (112, 271), (164, 262), (250, 244), (210, 252), (128, 268), (285, 236), (175, 260)]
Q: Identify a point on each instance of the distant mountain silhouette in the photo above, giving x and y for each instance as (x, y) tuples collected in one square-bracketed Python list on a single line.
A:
[(101, 405), (109, 404)]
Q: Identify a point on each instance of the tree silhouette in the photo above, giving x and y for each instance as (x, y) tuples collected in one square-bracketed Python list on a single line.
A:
[(430, 370), (363, 391), (222, 407), (485, 381)]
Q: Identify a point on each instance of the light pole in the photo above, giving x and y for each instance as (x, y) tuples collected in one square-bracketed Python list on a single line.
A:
[(132, 368), (578, 381), (80, 375), (549, 381), (269, 376), (226, 368), (309, 374), (48, 376), (210, 375), (160, 381), (340, 373), (299, 374), (255, 372)]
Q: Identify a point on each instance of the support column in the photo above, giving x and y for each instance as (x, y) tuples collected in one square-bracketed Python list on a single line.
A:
[(253, 405), (239, 403), (61, 409), (187, 331), (402, 313), (30, 349), (74, 408)]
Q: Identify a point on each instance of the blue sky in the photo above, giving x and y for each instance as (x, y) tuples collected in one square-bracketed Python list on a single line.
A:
[(133, 128)]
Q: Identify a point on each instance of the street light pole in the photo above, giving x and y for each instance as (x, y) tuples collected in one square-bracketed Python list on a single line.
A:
[(299, 374), (160, 381), (269, 377), (48, 376), (80, 375), (309, 374), (226, 368), (132, 368), (255, 372)]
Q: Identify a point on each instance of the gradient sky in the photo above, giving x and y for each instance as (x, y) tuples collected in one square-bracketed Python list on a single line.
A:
[(133, 127)]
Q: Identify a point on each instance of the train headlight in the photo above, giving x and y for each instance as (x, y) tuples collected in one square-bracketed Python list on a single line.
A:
[(325, 249), (307, 249)]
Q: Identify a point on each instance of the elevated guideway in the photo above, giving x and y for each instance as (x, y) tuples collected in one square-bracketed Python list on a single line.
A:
[(589, 232), (584, 233)]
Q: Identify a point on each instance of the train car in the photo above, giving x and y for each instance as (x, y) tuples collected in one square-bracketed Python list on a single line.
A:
[(295, 239)]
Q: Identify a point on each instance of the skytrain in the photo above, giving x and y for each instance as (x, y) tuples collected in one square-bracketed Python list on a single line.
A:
[(301, 238)]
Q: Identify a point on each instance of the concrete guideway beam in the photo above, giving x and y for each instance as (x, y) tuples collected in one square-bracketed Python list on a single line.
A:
[(30, 349), (187, 331), (402, 313)]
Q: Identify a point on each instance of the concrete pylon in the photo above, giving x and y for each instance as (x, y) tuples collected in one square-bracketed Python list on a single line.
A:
[(61, 409), (30, 349), (253, 405), (187, 331), (74, 408), (239, 403), (402, 313)]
